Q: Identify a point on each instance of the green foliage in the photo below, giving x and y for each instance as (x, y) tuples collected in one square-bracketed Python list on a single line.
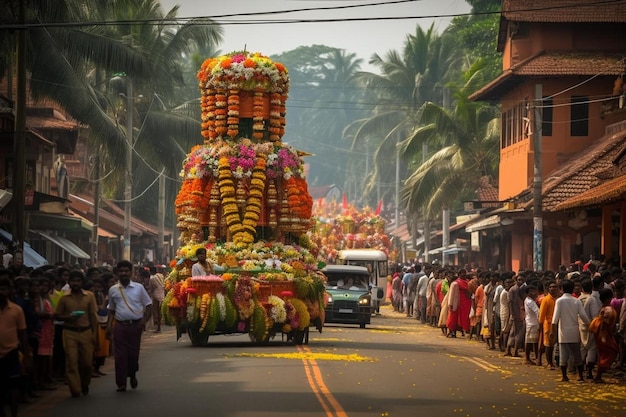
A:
[(214, 316), (466, 143), (258, 328), (407, 79), (322, 102), (477, 35), (231, 313)]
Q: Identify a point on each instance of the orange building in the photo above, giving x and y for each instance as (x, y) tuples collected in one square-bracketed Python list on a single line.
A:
[(567, 62)]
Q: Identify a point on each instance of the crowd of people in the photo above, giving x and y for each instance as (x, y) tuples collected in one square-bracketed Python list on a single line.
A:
[(59, 324), (573, 320)]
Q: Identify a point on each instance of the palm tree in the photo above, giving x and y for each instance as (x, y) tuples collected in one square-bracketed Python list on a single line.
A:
[(337, 103), (166, 122), (467, 138), (58, 56), (321, 103), (406, 81)]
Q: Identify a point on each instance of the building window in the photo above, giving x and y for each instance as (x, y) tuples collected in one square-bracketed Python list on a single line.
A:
[(513, 127), (579, 116), (547, 117)]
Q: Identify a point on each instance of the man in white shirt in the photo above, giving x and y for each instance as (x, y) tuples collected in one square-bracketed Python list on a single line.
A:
[(567, 311), (531, 311), (7, 258)]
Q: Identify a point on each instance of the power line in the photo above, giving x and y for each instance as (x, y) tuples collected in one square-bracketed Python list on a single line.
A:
[(204, 20)]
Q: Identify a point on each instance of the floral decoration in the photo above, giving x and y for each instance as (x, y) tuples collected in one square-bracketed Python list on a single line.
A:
[(244, 71)]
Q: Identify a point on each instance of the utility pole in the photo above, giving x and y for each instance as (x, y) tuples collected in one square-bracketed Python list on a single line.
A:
[(537, 181), (161, 209), (425, 214), (96, 210), (128, 186), (19, 142), (397, 197)]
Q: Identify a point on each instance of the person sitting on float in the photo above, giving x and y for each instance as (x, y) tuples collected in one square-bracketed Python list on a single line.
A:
[(202, 267)]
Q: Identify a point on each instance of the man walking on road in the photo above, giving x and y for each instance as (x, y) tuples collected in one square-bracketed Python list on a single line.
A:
[(157, 292), (78, 310), (130, 306), (567, 311)]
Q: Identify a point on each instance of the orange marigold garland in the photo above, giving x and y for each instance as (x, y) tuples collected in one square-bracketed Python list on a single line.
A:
[(275, 109), (209, 117), (258, 125), (252, 212), (230, 211), (221, 112), (233, 113), (293, 196)]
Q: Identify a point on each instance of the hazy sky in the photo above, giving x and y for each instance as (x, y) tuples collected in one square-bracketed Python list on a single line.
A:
[(361, 37)]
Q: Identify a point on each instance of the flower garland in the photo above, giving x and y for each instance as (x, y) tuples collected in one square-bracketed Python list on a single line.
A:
[(252, 212), (243, 298), (258, 124), (282, 161), (221, 112), (233, 113), (278, 312), (245, 71), (242, 160), (301, 312), (230, 211), (207, 105), (276, 105)]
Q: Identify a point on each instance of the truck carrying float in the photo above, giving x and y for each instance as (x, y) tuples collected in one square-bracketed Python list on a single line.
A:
[(244, 198)]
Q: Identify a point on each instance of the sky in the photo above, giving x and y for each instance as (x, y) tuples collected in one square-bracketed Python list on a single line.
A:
[(363, 38)]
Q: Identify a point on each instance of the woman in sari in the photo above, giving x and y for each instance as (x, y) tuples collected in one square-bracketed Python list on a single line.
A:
[(603, 329)]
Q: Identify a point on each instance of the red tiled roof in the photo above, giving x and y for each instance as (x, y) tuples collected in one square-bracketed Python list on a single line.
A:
[(573, 63), (555, 11), (548, 64), (581, 172), (608, 191)]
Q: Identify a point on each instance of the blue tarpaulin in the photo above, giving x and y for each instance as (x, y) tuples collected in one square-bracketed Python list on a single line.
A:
[(31, 258)]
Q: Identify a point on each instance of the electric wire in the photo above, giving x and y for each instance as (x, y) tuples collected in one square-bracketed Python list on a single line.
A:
[(202, 20)]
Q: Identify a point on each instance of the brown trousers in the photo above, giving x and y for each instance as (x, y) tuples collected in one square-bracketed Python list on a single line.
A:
[(78, 348)]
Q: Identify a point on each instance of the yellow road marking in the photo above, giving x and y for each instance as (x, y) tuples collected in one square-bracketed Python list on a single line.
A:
[(329, 403)]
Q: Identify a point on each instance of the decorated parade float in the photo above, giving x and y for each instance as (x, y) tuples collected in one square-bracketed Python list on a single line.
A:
[(339, 226), (245, 199)]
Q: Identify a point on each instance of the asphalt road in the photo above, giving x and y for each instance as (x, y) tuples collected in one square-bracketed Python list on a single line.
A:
[(395, 367)]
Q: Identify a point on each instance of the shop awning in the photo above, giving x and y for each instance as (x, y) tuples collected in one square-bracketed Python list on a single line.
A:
[(454, 249), (101, 232), (488, 223), (65, 244), (31, 258), (57, 222)]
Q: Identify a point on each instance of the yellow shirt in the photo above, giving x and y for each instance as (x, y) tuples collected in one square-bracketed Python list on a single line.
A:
[(84, 301)]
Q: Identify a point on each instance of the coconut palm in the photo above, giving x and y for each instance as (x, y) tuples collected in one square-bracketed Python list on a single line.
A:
[(58, 56), (321, 103), (166, 122), (466, 138), (336, 105), (406, 81)]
